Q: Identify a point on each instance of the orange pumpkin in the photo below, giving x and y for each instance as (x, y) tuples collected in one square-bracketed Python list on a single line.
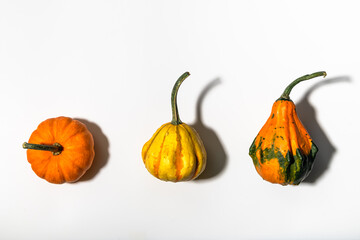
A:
[(283, 151), (60, 150)]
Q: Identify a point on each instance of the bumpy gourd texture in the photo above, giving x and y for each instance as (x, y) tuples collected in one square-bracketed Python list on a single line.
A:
[(283, 151), (174, 153), (76, 157)]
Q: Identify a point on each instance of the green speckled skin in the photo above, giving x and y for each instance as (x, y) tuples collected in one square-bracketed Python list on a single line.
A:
[(293, 168), (283, 152)]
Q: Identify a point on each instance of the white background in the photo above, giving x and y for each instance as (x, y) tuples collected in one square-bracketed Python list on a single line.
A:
[(112, 64)]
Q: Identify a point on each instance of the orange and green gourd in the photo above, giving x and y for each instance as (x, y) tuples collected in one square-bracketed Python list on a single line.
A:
[(283, 151), (175, 152), (60, 150)]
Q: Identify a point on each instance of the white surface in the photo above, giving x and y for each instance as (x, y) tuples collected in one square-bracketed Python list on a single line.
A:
[(114, 63)]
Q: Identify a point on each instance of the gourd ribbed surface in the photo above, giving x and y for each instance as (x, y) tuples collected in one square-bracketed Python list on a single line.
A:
[(174, 153), (75, 158)]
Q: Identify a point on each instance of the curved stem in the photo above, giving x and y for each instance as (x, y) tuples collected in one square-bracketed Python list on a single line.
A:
[(56, 148), (175, 112), (286, 93)]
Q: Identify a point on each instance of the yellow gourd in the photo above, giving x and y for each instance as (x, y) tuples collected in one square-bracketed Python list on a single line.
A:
[(175, 152)]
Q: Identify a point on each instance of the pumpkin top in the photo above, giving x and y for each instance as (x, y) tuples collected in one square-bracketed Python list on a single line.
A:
[(286, 93), (60, 150)]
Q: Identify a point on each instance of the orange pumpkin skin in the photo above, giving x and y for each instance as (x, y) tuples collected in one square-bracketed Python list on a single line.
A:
[(283, 151), (76, 156)]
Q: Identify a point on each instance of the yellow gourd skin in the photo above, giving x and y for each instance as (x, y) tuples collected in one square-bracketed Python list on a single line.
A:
[(174, 153)]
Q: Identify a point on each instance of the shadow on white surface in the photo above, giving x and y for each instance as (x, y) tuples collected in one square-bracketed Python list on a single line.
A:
[(216, 155), (101, 150), (307, 114)]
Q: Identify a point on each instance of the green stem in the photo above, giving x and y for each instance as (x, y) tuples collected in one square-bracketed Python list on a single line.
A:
[(56, 148), (175, 112), (286, 93)]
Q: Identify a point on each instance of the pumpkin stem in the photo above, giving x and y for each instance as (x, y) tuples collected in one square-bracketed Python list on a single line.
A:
[(286, 93), (175, 112), (56, 148)]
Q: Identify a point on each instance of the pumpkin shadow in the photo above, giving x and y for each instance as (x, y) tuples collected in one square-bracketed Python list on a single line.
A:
[(101, 146), (216, 155), (307, 114)]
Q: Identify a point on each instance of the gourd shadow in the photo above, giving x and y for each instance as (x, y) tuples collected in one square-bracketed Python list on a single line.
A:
[(216, 155), (307, 114), (101, 146)]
